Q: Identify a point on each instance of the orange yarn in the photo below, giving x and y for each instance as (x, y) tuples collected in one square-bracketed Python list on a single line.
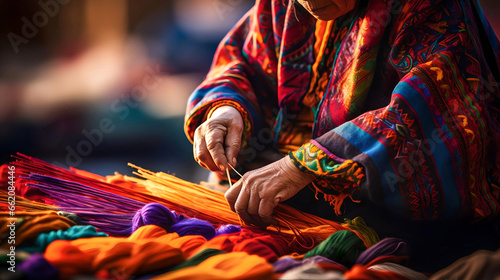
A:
[(235, 265), (147, 249), (69, 259), (30, 224), (189, 244)]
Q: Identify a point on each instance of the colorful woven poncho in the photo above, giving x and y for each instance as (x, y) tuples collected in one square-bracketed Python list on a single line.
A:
[(400, 99)]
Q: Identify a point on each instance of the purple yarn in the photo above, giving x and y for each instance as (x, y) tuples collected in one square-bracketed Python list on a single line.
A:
[(194, 227), (387, 246), (223, 229), (36, 267), (178, 217), (284, 264), (153, 214)]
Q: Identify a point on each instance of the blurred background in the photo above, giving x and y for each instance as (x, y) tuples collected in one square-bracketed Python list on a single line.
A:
[(95, 84)]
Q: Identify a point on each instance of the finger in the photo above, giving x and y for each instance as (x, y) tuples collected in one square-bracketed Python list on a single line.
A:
[(232, 194), (202, 155), (241, 205), (215, 146), (253, 210), (266, 209), (233, 142)]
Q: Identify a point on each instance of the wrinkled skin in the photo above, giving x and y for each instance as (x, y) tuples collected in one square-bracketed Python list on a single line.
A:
[(217, 141), (255, 196)]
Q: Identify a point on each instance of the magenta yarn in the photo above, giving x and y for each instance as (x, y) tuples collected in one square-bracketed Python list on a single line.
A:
[(193, 227), (387, 246), (154, 214), (36, 267), (223, 229)]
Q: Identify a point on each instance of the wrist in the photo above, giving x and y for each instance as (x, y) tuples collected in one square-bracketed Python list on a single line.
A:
[(224, 109), (297, 175)]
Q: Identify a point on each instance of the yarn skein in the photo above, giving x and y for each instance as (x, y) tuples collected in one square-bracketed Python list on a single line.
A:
[(44, 239), (387, 246), (229, 228), (153, 214), (36, 267), (194, 227), (343, 247)]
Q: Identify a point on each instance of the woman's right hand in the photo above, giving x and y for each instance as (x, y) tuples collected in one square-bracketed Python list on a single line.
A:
[(217, 141)]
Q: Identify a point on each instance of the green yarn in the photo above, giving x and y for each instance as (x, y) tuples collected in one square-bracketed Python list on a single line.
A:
[(343, 246), (75, 232), (358, 224), (198, 258)]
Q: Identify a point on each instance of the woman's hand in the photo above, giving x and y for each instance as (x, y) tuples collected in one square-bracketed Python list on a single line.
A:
[(217, 141), (255, 196)]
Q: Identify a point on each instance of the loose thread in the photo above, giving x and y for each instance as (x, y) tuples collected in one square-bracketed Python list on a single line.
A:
[(229, 178), (231, 185), (234, 171)]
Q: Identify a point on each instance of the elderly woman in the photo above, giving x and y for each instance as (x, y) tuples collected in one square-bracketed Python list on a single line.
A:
[(388, 108)]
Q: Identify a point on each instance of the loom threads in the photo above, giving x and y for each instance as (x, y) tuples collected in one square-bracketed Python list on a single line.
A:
[(153, 214), (194, 227), (343, 247)]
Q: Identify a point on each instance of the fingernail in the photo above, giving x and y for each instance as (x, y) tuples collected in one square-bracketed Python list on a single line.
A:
[(221, 167), (234, 161)]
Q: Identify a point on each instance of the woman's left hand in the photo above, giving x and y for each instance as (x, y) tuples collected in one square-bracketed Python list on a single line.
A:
[(259, 191)]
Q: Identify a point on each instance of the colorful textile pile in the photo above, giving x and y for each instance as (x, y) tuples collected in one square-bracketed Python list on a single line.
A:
[(72, 223)]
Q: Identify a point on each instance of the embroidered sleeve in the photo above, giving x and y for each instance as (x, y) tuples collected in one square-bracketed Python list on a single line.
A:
[(337, 178)]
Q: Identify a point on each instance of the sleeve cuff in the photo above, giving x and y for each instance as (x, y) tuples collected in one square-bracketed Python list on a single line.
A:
[(337, 178), (205, 112)]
